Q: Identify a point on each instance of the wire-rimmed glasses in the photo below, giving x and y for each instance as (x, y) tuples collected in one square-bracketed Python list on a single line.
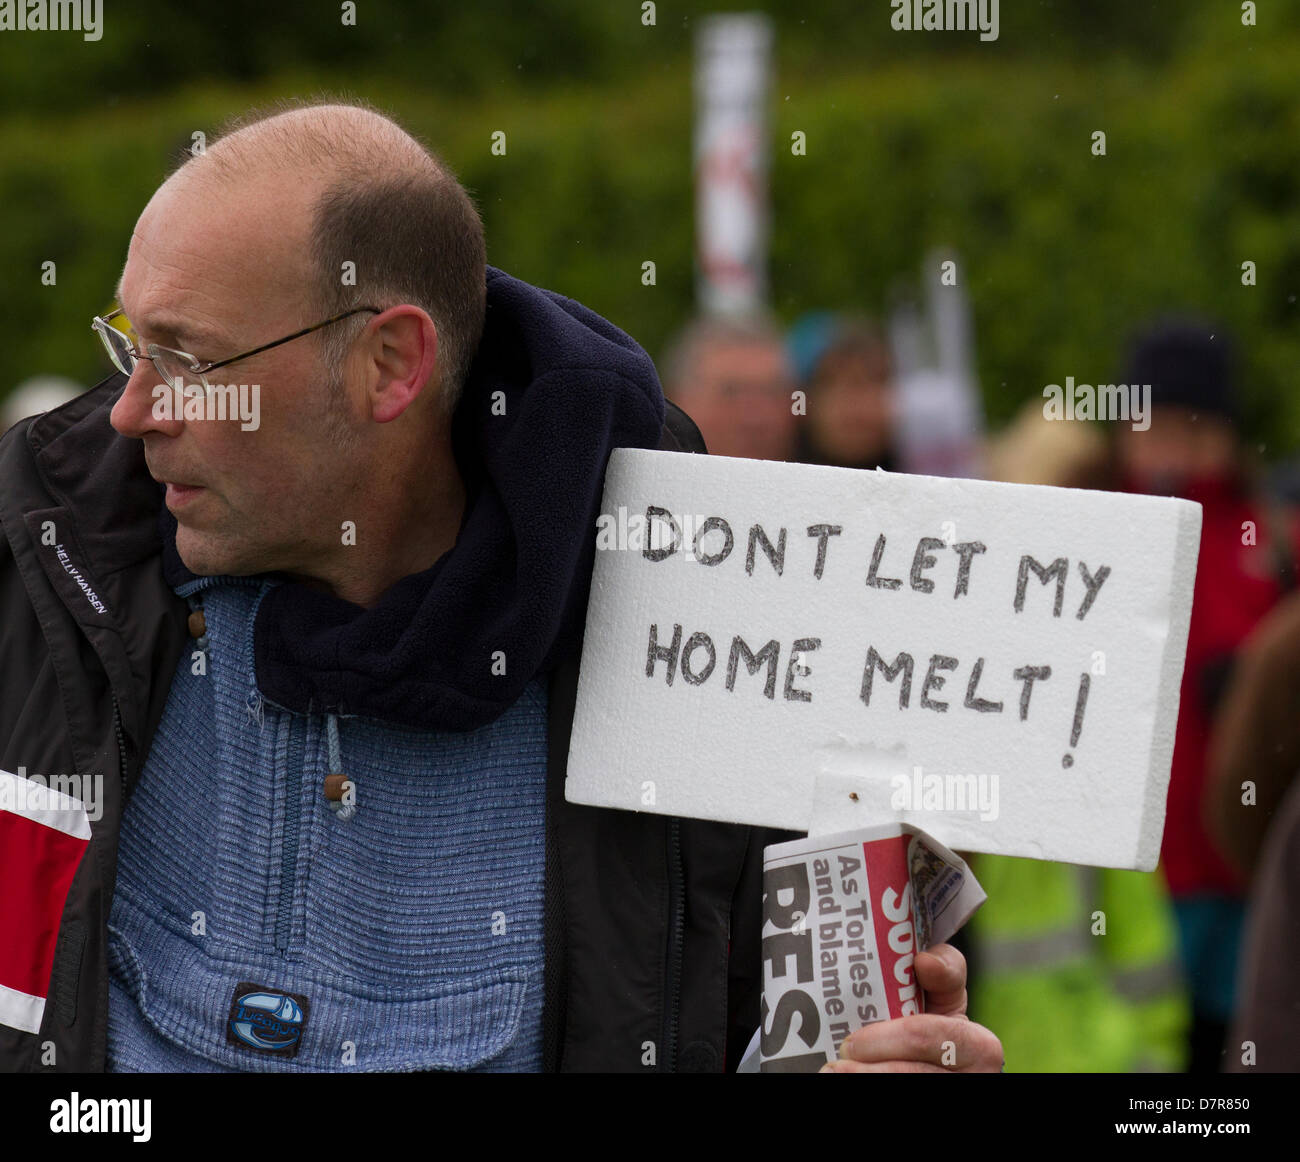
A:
[(176, 368)]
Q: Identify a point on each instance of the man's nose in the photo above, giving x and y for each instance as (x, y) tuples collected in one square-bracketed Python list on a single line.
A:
[(134, 414)]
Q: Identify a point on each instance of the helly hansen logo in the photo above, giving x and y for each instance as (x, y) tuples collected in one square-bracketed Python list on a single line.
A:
[(72, 571)]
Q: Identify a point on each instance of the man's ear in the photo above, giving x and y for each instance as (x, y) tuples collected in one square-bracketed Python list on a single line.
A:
[(401, 354)]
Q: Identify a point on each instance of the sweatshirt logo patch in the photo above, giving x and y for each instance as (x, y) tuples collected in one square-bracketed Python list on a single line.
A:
[(266, 1020)]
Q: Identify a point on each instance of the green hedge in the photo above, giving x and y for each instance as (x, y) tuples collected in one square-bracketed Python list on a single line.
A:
[(985, 150)]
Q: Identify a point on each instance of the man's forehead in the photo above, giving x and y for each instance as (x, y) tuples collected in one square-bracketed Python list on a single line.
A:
[(168, 312), (170, 321), (731, 357), (199, 265)]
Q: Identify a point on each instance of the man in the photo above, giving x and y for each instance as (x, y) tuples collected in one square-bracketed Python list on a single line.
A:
[(332, 832), (733, 378)]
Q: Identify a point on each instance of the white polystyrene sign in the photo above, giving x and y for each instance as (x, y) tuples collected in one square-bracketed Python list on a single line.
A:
[(801, 647)]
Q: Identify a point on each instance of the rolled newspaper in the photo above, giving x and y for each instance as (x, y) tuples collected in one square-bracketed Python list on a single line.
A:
[(843, 918)]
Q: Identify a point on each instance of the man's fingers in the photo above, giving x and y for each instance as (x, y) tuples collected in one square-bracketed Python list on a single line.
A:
[(941, 972), (946, 1042), (881, 1067)]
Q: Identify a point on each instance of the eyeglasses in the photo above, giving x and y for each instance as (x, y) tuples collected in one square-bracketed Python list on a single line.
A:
[(176, 367)]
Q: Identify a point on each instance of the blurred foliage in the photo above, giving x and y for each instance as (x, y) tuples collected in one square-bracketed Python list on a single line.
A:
[(914, 141)]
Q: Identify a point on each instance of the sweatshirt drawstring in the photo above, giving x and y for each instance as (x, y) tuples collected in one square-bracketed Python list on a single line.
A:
[(340, 792), (197, 624)]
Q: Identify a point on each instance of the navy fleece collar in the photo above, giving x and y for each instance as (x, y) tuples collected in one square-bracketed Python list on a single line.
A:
[(511, 595)]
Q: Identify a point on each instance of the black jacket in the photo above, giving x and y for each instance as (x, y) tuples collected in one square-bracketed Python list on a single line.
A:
[(652, 925)]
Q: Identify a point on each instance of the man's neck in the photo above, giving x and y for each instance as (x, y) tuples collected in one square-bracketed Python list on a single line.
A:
[(393, 537)]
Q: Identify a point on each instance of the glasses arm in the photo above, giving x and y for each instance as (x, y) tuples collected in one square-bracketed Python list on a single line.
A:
[(206, 367)]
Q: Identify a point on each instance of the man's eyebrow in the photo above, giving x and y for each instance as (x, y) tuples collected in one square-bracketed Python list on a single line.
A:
[(172, 327), (181, 330)]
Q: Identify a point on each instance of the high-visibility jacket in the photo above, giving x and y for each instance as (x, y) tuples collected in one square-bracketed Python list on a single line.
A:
[(1077, 968)]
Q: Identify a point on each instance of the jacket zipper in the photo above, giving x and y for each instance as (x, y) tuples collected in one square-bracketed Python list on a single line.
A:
[(676, 923), (289, 852), (293, 795), (121, 742)]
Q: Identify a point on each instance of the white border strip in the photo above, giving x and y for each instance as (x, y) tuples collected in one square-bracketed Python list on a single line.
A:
[(44, 805), (21, 1010)]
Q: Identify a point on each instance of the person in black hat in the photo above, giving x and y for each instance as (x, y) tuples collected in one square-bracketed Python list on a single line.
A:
[(1192, 448)]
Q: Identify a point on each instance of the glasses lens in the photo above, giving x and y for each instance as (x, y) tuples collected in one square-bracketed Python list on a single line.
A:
[(175, 368), (118, 347)]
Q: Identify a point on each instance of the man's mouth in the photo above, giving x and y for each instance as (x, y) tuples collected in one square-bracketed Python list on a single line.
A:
[(181, 493)]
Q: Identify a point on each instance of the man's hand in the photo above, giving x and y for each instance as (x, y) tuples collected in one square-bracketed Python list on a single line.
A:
[(940, 1040)]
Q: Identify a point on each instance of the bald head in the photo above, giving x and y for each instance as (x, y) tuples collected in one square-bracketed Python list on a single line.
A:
[(366, 215), (304, 140)]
